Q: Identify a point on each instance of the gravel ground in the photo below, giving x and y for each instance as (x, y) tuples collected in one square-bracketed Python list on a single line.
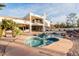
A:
[(75, 49)]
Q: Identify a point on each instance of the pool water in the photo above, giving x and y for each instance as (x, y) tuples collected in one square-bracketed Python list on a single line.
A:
[(42, 39), (50, 35), (36, 41), (43, 35), (57, 35), (51, 40)]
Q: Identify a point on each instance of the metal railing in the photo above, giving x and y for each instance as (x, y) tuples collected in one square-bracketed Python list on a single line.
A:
[(61, 30)]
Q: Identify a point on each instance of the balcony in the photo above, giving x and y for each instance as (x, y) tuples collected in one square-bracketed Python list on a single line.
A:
[(37, 21)]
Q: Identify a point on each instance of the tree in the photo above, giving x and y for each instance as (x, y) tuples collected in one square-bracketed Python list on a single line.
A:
[(78, 23), (9, 24), (1, 30), (71, 20), (57, 25), (62, 25)]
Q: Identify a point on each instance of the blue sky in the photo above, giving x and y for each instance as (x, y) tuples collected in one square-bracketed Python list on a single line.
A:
[(56, 12)]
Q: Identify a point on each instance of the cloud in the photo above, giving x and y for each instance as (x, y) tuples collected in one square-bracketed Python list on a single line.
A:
[(59, 19), (56, 12)]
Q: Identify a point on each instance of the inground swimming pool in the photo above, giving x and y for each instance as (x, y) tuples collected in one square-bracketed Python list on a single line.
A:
[(40, 40)]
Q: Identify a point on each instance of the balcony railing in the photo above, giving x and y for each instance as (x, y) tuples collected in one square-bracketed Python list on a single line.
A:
[(37, 21)]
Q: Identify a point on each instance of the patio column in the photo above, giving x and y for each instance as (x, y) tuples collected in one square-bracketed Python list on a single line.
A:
[(23, 28), (44, 18), (30, 23)]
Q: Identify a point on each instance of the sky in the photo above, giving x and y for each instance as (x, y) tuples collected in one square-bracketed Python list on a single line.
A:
[(55, 12)]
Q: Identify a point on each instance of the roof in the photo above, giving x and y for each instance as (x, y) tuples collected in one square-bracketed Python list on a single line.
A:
[(22, 21), (32, 14), (10, 17), (17, 20)]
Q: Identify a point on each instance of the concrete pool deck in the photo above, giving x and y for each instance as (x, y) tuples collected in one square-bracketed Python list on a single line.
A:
[(16, 49), (62, 46)]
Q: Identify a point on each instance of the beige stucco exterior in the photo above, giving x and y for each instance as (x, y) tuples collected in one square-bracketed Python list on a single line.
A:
[(31, 22)]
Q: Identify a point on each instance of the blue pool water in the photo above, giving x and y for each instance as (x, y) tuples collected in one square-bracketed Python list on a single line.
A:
[(34, 41), (37, 42), (42, 39), (51, 40), (57, 35), (50, 35)]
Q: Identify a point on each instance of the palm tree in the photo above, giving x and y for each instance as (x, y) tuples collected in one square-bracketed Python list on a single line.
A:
[(8, 24), (1, 31), (11, 25)]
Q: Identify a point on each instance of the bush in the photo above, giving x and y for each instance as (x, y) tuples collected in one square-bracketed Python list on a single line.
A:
[(16, 31), (1, 32)]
